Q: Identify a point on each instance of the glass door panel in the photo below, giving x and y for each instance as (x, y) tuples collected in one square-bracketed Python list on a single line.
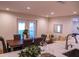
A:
[(21, 28), (32, 29)]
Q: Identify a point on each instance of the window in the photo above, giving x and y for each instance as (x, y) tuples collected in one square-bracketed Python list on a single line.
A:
[(75, 25), (21, 28), (58, 28)]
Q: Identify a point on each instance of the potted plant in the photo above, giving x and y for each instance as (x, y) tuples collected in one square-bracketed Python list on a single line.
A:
[(30, 51)]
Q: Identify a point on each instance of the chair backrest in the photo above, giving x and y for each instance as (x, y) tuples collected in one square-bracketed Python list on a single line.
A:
[(37, 40), (51, 36), (44, 37), (3, 43), (27, 42), (16, 36), (51, 39)]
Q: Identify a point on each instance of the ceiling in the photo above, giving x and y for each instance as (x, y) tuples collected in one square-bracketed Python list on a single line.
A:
[(42, 8)]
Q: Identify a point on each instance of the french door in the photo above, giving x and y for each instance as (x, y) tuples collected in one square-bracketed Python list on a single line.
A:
[(31, 25)]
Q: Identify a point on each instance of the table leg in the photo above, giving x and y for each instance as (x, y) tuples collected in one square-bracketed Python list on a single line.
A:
[(7, 47)]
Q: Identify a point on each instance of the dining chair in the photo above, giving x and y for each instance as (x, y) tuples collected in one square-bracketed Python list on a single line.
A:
[(27, 43), (43, 42), (16, 37), (37, 40), (44, 36), (51, 38), (4, 45)]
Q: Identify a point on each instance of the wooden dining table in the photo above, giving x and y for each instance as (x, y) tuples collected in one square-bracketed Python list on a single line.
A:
[(11, 44), (14, 43)]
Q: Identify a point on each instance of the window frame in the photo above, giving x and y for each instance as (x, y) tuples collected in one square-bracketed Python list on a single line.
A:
[(56, 28)]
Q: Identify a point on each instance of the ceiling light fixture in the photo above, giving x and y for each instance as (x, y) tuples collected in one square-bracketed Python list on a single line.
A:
[(7, 9), (52, 13), (74, 12), (28, 8)]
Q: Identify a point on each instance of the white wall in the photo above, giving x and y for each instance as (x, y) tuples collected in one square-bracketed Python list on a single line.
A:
[(47, 26), (8, 25), (65, 21), (42, 26)]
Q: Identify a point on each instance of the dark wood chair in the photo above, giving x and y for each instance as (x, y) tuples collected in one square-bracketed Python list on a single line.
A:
[(3, 43), (43, 42), (17, 37), (37, 40), (27, 42), (44, 37), (15, 43)]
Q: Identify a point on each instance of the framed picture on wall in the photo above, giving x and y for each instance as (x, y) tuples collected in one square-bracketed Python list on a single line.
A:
[(58, 28)]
